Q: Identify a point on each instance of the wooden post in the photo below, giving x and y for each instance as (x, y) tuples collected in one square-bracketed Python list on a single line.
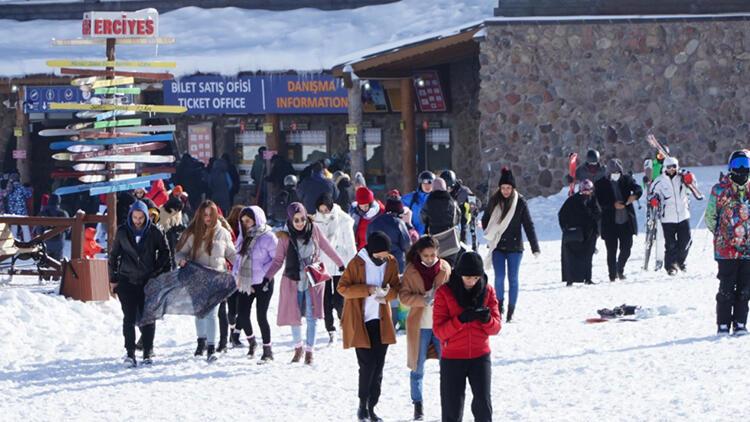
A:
[(273, 139), (22, 142), (409, 137), (356, 148), (77, 235), (111, 197)]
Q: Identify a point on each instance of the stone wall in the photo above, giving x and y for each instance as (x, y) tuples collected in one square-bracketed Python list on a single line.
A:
[(551, 89)]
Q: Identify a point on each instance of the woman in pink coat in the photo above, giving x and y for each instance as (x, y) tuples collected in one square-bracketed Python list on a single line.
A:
[(300, 245)]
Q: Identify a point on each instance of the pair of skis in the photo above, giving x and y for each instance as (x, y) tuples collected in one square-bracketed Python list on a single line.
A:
[(659, 147)]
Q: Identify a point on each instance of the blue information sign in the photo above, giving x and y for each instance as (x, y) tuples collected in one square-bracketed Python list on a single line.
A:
[(37, 98)]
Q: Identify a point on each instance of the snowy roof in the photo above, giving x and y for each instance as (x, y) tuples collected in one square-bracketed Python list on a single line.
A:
[(232, 40)]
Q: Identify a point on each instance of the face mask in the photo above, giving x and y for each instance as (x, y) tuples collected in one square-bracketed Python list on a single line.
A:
[(429, 264), (377, 261), (740, 179), (614, 177)]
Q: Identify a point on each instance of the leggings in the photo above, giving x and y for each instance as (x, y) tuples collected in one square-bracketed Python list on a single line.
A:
[(244, 306)]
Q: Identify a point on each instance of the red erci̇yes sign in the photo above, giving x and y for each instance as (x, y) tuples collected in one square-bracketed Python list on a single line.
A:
[(139, 24)]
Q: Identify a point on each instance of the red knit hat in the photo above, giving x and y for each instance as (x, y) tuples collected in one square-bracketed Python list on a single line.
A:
[(364, 196)]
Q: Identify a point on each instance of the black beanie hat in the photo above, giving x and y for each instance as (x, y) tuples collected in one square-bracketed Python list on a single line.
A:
[(470, 264), (378, 242), (506, 177), (325, 199)]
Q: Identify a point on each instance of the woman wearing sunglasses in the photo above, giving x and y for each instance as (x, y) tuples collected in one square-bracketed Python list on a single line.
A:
[(671, 192), (300, 245)]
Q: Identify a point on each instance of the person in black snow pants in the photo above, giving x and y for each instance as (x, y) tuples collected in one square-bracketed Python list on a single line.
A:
[(616, 194), (579, 220), (139, 253)]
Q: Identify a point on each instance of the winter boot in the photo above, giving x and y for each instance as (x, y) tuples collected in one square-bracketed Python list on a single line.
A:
[(267, 355), (511, 309), (373, 416), (139, 344), (589, 282), (235, 339), (252, 344), (129, 360), (739, 329), (222, 346), (147, 357), (621, 277), (331, 338), (363, 415), (500, 307), (201, 347), (723, 330), (298, 352), (418, 413), (211, 353), (309, 357), (569, 284)]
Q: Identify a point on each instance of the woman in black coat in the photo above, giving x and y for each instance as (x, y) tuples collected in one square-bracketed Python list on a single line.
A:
[(579, 220), (616, 194), (506, 213), (439, 215)]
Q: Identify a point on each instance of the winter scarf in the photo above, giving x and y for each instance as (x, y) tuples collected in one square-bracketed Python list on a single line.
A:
[(138, 233), (428, 273), (243, 263), (468, 299), (497, 226)]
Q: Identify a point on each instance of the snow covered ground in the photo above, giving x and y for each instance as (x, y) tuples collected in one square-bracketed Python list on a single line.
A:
[(60, 359)]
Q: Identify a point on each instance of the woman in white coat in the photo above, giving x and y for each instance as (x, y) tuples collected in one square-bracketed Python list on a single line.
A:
[(336, 226)]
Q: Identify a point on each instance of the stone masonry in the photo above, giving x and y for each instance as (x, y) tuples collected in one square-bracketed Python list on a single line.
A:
[(551, 89)]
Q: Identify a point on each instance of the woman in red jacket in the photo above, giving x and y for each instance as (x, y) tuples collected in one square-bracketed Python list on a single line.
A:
[(464, 317)]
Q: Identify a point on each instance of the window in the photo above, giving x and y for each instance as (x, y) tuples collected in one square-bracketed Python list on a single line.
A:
[(306, 146), (248, 144), (374, 166), (438, 149)]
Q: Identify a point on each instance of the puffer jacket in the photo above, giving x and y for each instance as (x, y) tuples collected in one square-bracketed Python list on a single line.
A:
[(439, 213), (392, 225), (415, 202), (222, 250), (673, 196), (728, 218), (460, 340), (363, 219), (262, 252), (336, 227), (158, 193), (17, 197)]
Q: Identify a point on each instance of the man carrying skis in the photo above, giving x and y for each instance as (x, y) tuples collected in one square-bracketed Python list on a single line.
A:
[(670, 193), (460, 194), (728, 218)]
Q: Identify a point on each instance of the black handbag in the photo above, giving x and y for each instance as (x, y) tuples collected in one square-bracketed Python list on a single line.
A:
[(572, 234)]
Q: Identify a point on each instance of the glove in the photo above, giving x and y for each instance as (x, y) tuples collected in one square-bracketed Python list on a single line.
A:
[(536, 254), (266, 284), (380, 293), (483, 314), (688, 178), (429, 297), (468, 315), (342, 269), (654, 202)]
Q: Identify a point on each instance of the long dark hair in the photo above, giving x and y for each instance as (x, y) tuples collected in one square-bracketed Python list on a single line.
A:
[(424, 242), (498, 200), (246, 239)]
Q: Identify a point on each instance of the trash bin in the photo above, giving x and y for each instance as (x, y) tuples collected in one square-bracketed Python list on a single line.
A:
[(86, 280)]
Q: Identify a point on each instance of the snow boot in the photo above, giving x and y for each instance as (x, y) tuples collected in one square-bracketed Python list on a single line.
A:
[(589, 282), (739, 329), (723, 330), (363, 415), (211, 353), (235, 339), (147, 357), (298, 352), (139, 344), (309, 357), (621, 277), (511, 309), (129, 360), (373, 416), (659, 265), (222, 346), (252, 345), (267, 355), (418, 413), (500, 307), (569, 284), (201, 347)]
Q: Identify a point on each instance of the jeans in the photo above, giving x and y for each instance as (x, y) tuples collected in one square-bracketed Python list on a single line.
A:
[(514, 264), (304, 301), (206, 326), (426, 336)]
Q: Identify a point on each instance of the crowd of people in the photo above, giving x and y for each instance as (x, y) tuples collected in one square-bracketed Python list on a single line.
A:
[(400, 262)]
